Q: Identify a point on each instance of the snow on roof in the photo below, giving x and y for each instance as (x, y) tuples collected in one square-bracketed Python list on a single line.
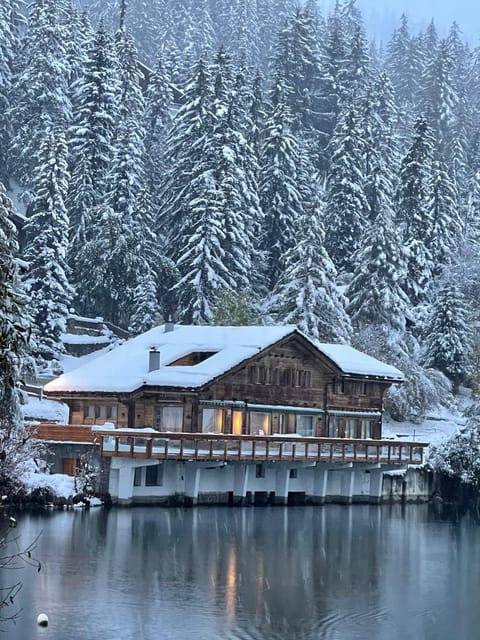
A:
[(125, 368), (354, 362)]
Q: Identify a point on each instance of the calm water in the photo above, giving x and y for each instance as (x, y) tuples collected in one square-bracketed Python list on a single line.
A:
[(333, 572)]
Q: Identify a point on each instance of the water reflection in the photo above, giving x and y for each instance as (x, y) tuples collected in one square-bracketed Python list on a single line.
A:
[(299, 573)]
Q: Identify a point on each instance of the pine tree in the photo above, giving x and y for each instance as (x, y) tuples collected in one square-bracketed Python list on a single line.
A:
[(46, 280), (414, 211), (306, 294), (448, 335), (376, 291), (279, 188), (9, 47), (447, 224), (346, 204), (92, 135), (403, 63), (16, 445), (40, 94), (106, 264), (158, 122)]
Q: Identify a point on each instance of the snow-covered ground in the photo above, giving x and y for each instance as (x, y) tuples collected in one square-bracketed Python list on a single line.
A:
[(438, 426)]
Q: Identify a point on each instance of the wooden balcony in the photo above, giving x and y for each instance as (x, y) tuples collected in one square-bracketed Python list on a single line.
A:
[(224, 448)]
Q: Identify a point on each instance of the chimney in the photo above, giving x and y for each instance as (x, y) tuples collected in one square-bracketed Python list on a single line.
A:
[(169, 326), (153, 360)]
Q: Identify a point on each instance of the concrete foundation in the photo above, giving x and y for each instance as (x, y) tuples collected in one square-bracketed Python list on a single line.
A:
[(281, 483)]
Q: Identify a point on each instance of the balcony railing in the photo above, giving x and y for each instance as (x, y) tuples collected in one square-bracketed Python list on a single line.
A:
[(130, 443), (224, 448)]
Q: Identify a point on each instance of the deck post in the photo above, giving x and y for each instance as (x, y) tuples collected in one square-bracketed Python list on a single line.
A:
[(320, 481), (282, 481), (192, 484), (240, 483)]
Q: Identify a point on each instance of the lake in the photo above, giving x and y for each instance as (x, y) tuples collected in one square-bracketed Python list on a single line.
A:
[(296, 573)]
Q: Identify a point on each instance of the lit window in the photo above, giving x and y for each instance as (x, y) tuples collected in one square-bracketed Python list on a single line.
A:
[(259, 423), (237, 422), (212, 420)]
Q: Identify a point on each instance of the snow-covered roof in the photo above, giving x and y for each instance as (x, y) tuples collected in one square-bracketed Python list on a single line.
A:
[(126, 368), (354, 362)]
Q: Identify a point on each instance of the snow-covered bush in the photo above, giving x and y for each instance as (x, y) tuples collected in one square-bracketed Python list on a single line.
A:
[(459, 456)]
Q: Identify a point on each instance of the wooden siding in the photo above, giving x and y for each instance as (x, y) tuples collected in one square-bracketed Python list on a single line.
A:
[(290, 373)]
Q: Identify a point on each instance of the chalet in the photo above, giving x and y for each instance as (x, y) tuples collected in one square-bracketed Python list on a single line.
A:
[(233, 414), (231, 380)]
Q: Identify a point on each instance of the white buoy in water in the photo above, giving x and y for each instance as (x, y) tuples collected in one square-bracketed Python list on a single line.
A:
[(42, 620)]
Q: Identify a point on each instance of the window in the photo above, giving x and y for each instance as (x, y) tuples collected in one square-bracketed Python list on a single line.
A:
[(137, 478), (305, 425), (336, 427), (169, 418), (113, 412), (259, 423), (91, 411), (154, 476), (212, 420), (339, 387), (366, 429), (350, 428), (260, 470), (101, 411), (237, 422), (357, 387), (293, 473)]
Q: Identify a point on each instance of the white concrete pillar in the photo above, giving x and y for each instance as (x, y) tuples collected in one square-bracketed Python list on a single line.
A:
[(240, 482), (347, 483), (282, 482), (125, 483), (376, 486), (320, 482), (192, 483)]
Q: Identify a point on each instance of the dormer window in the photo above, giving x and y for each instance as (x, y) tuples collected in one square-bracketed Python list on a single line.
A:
[(191, 359)]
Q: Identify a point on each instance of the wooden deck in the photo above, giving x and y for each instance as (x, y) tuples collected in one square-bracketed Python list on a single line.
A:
[(224, 448)]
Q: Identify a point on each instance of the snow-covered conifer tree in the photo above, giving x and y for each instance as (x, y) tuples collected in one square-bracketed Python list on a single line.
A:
[(46, 281), (306, 293), (16, 444), (279, 188), (414, 211), (40, 98), (346, 205), (92, 134), (448, 335)]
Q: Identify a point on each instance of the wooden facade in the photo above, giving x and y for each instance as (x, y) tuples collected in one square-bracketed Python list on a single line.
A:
[(289, 387)]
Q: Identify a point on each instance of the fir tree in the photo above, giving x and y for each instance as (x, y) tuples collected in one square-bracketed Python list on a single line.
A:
[(448, 335), (92, 134), (46, 280), (306, 294), (40, 94), (16, 445), (346, 204), (279, 188), (414, 211)]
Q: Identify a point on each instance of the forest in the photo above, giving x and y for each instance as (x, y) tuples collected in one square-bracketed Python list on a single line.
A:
[(242, 161)]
